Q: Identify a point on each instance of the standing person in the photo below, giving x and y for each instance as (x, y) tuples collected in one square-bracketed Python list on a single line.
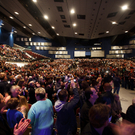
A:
[(98, 120), (116, 81), (41, 114), (66, 119), (91, 96), (23, 104)]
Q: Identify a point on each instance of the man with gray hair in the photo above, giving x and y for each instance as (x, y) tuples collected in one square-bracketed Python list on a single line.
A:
[(41, 114)]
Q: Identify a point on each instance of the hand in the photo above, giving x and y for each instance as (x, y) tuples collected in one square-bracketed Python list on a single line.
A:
[(22, 126)]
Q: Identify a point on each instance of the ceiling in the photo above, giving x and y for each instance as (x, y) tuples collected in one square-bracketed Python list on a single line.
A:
[(92, 17)]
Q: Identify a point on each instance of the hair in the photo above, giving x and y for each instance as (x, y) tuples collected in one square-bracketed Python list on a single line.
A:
[(63, 94), (14, 87), (23, 101), (107, 87), (20, 83), (84, 85), (2, 76), (88, 92), (11, 78), (98, 115), (12, 103), (106, 98), (40, 92)]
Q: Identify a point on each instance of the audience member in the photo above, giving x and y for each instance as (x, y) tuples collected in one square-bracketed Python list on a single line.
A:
[(66, 120), (41, 114), (91, 96)]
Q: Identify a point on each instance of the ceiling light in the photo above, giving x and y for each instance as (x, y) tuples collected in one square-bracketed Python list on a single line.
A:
[(126, 31), (107, 31), (33, 33), (113, 22), (15, 31), (11, 17), (16, 13), (2, 24), (34, 0), (72, 11), (24, 27), (30, 24), (57, 34), (75, 32), (124, 7), (74, 24), (53, 27), (39, 32), (45, 16)]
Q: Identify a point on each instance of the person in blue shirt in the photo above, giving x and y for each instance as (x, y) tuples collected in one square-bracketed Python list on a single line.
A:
[(13, 115), (41, 114)]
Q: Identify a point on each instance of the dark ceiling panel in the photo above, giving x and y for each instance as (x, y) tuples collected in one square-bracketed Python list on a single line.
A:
[(80, 16), (101, 33), (127, 17), (81, 34), (131, 12), (67, 26), (121, 23), (60, 9), (64, 21), (112, 14), (62, 16), (58, 1)]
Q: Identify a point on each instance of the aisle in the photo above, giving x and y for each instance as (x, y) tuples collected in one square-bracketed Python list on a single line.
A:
[(126, 97)]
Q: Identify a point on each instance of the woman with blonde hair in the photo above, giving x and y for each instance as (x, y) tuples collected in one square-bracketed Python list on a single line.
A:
[(23, 104)]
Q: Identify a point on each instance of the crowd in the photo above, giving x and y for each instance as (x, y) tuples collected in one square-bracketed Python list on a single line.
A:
[(45, 91), (10, 54)]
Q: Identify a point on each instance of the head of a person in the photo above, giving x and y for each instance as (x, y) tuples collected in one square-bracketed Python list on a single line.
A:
[(32, 84), (63, 95), (91, 94), (12, 103), (106, 98), (15, 90), (2, 76), (84, 85), (40, 93), (99, 115), (21, 83), (22, 101), (107, 87)]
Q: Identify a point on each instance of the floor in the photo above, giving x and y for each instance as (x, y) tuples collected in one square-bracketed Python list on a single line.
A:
[(126, 97)]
